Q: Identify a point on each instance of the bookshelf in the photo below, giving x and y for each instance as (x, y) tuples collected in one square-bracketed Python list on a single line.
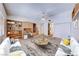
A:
[(17, 29), (14, 29)]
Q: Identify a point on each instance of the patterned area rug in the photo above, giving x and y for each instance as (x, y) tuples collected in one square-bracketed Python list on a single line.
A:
[(32, 49)]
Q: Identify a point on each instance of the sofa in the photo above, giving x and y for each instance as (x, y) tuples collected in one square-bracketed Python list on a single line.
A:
[(8, 49), (73, 48)]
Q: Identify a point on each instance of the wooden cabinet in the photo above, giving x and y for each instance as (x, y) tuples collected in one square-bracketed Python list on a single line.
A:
[(34, 27), (14, 29), (75, 10), (27, 27), (17, 29)]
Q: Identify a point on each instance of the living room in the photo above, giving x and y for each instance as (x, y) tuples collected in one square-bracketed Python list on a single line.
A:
[(40, 23)]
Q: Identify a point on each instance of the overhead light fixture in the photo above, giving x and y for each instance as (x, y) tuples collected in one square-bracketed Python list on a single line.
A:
[(43, 18)]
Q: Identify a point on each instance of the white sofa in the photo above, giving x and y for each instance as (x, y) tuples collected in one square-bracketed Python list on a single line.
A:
[(17, 52), (60, 51), (5, 48), (74, 46)]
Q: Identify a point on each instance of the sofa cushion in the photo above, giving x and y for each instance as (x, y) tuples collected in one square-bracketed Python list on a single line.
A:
[(16, 50), (5, 46), (74, 46)]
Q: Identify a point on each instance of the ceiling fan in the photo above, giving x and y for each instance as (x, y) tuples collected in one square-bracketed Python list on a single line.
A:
[(47, 16)]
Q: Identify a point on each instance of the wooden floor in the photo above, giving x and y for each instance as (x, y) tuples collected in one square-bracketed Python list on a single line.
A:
[(31, 49)]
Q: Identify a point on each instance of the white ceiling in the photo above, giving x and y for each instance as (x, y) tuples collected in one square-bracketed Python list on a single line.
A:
[(34, 11)]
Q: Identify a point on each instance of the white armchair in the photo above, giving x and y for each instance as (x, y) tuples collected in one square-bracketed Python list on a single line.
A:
[(14, 49), (74, 46), (5, 46)]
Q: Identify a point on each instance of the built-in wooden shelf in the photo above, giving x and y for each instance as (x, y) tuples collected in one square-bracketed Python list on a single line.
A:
[(75, 10), (14, 29), (17, 29)]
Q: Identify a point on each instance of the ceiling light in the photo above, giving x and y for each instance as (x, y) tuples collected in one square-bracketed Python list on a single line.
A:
[(43, 18)]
